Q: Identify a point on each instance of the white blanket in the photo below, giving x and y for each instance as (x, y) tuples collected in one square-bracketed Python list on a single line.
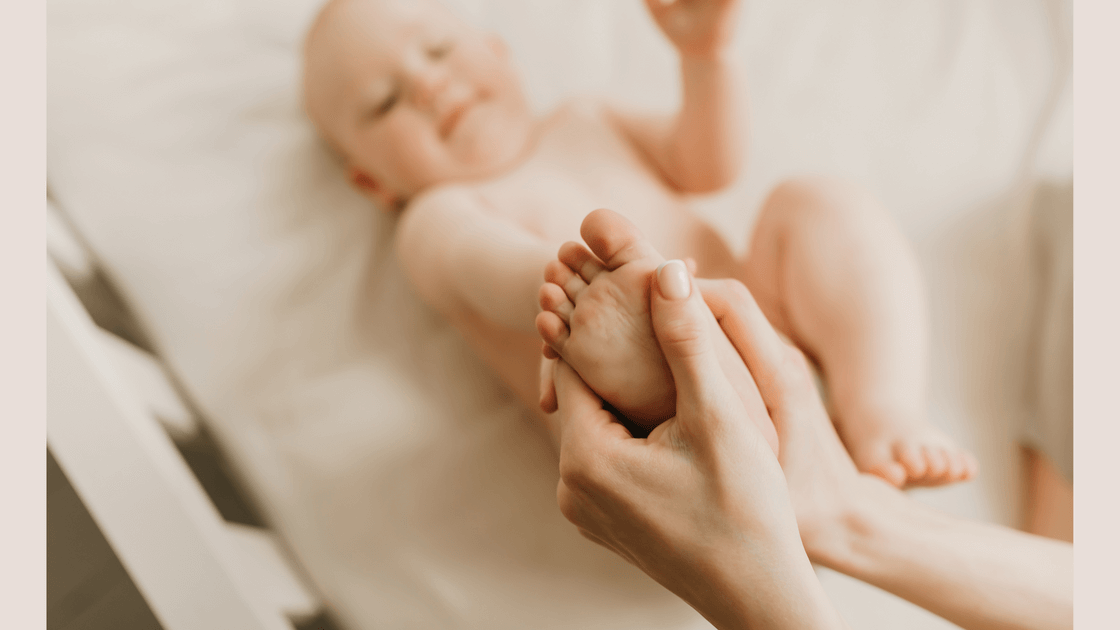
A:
[(404, 477)]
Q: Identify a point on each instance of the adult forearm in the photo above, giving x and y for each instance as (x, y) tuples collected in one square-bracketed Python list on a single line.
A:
[(977, 575), (776, 589), (708, 144)]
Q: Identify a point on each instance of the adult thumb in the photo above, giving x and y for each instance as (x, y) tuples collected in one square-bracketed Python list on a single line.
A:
[(683, 325)]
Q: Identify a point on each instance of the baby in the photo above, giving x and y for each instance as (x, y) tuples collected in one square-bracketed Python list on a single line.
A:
[(431, 120)]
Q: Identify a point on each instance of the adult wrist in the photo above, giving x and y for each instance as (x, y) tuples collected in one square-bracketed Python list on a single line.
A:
[(786, 594), (842, 538)]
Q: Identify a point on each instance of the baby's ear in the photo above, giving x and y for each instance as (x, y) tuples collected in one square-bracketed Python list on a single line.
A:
[(372, 188), (497, 44)]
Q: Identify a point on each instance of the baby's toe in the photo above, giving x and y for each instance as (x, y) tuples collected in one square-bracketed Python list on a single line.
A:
[(911, 459), (562, 276), (955, 467), (893, 472), (964, 465), (614, 239), (552, 330), (553, 299), (937, 462), (547, 387), (971, 465), (580, 260)]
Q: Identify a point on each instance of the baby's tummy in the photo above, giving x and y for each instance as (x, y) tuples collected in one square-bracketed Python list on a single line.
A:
[(667, 221), (559, 205)]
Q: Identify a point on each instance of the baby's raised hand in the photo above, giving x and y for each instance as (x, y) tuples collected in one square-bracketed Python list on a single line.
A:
[(696, 27)]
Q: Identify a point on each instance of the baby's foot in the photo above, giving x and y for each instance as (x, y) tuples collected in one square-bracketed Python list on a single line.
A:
[(906, 453), (596, 316)]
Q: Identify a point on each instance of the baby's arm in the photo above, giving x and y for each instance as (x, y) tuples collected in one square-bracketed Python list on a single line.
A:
[(703, 148), (459, 255)]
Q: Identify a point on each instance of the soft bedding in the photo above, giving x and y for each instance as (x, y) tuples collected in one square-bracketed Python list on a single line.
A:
[(406, 480)]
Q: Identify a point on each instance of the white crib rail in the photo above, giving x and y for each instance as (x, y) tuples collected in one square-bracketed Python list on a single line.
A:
[(196, 571)]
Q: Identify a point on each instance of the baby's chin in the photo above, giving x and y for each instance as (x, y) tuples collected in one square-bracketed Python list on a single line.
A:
[(481, 150), (492, 149)]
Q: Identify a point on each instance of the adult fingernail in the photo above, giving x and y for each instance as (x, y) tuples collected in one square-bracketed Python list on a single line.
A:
[(672, 277)]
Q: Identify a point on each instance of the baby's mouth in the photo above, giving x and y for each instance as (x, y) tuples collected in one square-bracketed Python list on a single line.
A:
[(454, 115)]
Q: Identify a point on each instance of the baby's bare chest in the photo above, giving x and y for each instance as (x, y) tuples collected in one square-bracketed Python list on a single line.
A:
[(581, 164)]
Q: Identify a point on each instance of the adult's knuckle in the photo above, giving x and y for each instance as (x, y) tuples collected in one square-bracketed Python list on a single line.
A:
[(736, 290), (578, 474), (586, 533), (797, 373), (566, 500), (683, 332)]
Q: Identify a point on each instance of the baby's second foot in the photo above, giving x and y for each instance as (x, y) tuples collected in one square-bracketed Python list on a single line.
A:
[(906, 452), (596, 316)]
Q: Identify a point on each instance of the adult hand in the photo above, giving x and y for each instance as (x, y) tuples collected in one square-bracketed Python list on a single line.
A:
[(860, 525), (701, 504), (823, 482)]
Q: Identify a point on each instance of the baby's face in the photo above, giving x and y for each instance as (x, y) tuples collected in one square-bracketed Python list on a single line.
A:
[(412, 96)]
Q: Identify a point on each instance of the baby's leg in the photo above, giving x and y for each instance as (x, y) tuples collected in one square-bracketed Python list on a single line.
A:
[(831, 271), (596, 316)]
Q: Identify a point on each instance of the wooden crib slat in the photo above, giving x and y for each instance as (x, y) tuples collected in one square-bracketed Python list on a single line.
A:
[(265, 568), (136, 486), (145, 376)]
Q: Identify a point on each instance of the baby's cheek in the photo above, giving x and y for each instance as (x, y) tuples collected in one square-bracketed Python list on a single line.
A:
[(494, 138), (420, 161)]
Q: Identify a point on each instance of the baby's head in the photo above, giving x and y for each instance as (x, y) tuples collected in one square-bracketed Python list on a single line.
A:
[(412, 96)]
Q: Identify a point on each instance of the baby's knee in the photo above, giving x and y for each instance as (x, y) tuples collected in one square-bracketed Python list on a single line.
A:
[(819, 200)]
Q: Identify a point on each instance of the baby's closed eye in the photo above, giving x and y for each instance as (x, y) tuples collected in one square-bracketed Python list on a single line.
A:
[(440, 49), (388, 102)]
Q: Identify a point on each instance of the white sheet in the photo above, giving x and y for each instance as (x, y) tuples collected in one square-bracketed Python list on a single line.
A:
[(405, 478)]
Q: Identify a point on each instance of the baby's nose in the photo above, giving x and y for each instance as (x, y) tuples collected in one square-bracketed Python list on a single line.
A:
[(428, 82)]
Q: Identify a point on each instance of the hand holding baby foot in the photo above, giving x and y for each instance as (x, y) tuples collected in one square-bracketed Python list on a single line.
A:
[(697, 28), (596, 315), (641, 497)]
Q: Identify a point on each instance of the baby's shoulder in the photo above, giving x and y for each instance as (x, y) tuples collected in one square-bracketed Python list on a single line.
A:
[(431, 216), (445, 199)]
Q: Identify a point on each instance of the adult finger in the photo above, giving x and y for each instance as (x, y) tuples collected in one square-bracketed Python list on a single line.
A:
[(580, 412), (546, 387), (582, 513), (681, 322), (812, 453), (779, 370)]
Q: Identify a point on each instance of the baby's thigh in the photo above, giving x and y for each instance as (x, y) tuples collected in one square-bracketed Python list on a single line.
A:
[(785, 212), (805, 227), (758, 271)]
